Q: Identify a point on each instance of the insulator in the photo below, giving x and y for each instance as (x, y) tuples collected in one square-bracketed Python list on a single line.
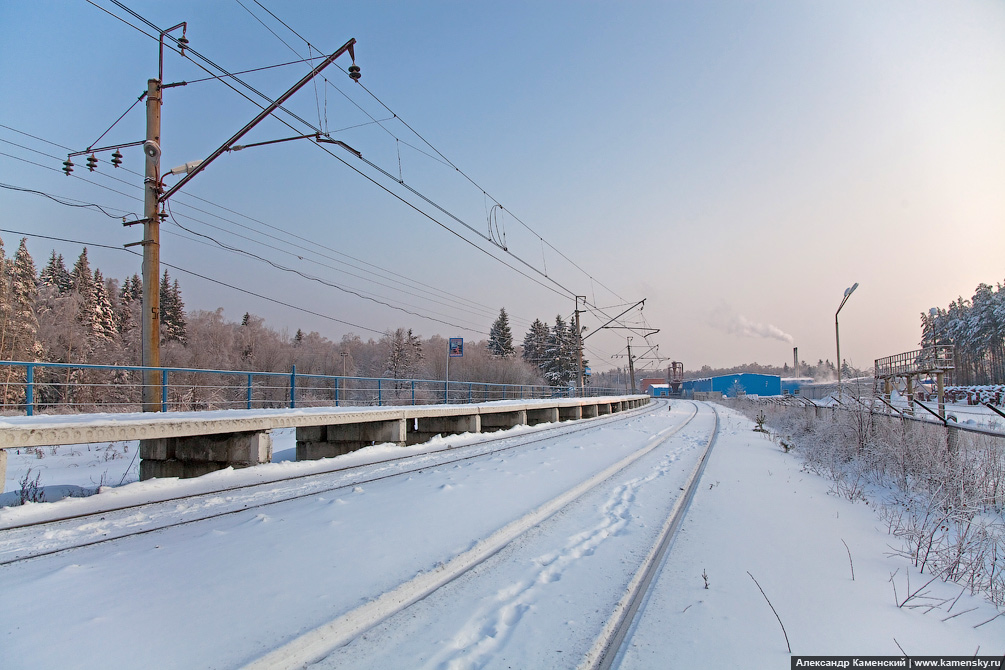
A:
[(182, 43), (117, 158), (92, 162), (354, 72), (67, 167)]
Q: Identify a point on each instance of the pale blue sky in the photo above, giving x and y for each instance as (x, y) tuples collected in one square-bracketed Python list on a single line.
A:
[(720, 159)]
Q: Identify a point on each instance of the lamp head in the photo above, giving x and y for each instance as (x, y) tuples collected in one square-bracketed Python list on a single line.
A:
[(152, 150)]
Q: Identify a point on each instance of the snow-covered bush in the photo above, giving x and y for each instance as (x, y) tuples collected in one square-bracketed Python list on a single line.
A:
[(940, 490)]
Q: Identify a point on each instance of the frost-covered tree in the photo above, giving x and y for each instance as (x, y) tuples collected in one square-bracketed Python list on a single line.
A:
[(56, 275), (19, 328), (6, 309), (103, 322), (23, 298), (501, 337), (976, 329), (403, 353), (82, 286), (173, 324), (535, 344), (561, 367)]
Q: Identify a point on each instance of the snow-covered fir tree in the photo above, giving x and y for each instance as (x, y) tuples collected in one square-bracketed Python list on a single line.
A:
[(6, 309), (561, 367), (976, 329), (23, 296), (501, 337), (56, 275), (127, 316), (174, 327), (535, 344), (104, 324), (82, 286)]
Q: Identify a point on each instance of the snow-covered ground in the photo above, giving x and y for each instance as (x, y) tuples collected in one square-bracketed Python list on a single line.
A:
[(79, 470), (222, 592)]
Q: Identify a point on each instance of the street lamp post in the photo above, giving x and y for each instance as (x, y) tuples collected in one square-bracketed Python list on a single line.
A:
[(837, 336)]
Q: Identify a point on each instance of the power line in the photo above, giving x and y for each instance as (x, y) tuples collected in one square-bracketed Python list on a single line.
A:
[(445, 160), (416, 193), (61, 199), (315, 279), (487, 310), (200, 276), (306, 252), (568, 291), (258, 257), (196, 53), (254, 69), (234, 249)]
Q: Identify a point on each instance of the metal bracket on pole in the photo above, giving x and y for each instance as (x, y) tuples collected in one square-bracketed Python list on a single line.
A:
[(258, 118)]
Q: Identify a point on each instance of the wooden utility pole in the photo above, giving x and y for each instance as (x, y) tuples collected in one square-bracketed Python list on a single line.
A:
[(151, 320)]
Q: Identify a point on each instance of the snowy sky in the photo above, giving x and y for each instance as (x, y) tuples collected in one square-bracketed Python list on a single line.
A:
[(736, 164)]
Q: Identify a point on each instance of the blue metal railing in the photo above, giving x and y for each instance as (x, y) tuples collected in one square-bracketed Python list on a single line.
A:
[(80, 387)]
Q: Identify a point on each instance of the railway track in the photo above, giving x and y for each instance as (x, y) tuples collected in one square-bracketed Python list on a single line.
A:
[(609, 646), (28, 540), (315, 645)]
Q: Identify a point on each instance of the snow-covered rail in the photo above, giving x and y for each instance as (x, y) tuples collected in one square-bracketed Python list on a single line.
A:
[(91, 521), (609, 645), (318, 643), (320, 557)]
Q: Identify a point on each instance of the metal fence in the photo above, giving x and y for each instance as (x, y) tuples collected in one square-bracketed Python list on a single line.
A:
[(875, 406), (30, 387)]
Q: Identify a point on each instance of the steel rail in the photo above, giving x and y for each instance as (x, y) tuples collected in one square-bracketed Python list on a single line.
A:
[(538, 436), (318, 643), (609, 645)]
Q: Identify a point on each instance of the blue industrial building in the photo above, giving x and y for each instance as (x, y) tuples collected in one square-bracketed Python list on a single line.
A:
[(728, 385)]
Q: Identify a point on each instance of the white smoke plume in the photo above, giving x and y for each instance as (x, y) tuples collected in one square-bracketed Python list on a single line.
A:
[(724, 319)]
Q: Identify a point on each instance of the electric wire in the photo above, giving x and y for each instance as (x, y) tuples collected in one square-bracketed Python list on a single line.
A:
[(142, 95), (296, 117), (201, 276), (304, 258), (254, 69), (229, 74), (446, 161), (471, 328), (475, 329), (478, 233), (63, 200), (471, 304), (194, 52), (313, 278)]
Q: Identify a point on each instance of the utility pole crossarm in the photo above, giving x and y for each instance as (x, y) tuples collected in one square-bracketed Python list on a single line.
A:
[(348, 46), (640, 302)]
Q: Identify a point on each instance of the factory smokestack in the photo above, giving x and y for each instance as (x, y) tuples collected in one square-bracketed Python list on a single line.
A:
[(795, 361)]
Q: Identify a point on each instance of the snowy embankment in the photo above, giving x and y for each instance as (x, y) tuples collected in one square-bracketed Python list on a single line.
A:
[(761, 513), (221, 592)]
